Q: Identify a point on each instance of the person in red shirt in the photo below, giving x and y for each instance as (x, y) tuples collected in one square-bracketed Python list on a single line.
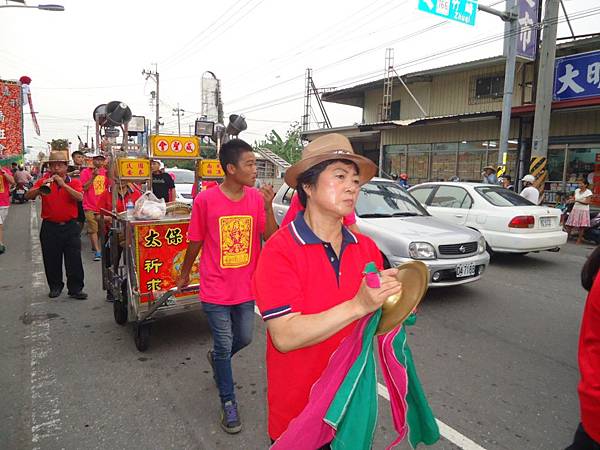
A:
[(228, 222), (95, 182), (6, 181), (309, 282), (60, 233), (587, 436)]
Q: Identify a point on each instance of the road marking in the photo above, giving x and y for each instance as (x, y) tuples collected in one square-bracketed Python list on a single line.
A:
[(446, 431), (45, 403)]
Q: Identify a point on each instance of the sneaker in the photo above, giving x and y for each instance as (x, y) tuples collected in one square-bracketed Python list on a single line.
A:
[(97, 256), (78, 295), (211, 360), (54, 293), (230, 419)]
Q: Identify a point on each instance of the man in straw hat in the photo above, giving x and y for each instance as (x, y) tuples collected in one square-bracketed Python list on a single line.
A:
[(309, 283), (489, 175), (227, 223), (59, 234)]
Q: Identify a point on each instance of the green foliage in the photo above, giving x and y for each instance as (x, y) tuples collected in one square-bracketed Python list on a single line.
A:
[(288, 148), (59, 144)]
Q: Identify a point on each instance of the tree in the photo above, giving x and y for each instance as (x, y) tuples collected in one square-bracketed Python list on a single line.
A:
[(288, 148)]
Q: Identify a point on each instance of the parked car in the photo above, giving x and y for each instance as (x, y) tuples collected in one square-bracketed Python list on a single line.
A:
[(184, 182), (508, 222), (404, 231)]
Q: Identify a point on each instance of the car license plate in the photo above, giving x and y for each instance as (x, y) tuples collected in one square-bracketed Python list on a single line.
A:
[(20, 192), (546, 222), (465, 270)]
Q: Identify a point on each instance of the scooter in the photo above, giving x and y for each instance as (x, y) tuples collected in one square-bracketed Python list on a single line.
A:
[(18, 194), (593, 232)]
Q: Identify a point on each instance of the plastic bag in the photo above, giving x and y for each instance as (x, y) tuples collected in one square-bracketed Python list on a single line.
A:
[(148, 206)]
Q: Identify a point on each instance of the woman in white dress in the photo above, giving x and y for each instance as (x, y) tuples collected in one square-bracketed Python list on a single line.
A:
[(580, 214)]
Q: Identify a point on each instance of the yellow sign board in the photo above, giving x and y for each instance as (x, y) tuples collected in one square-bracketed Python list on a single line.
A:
[(175, 147), (210, 168), (134, 168)]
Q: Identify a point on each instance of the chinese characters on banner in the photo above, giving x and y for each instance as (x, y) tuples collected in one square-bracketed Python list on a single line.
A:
[(577, 76), (160, 250), (11, 119), (528, 29), (184, 147), (211, 168), (134, 168)]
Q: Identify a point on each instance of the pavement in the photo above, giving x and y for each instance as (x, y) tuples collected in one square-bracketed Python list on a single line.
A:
[(497, 359)]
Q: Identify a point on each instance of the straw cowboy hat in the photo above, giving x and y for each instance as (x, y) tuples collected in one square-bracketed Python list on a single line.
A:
[(489, 167), (59, 156), (331, 146)]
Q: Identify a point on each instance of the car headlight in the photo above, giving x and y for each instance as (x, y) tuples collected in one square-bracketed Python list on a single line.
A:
[(421, 250), (481, 245)]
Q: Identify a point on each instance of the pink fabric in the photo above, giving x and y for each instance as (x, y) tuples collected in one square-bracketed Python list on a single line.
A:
[(297, 436), (230, 232), (95, 191), (4, 188), (579, 218), (396, 380), (296, 207)]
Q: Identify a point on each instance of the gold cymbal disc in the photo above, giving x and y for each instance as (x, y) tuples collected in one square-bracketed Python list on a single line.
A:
[(414, 277)]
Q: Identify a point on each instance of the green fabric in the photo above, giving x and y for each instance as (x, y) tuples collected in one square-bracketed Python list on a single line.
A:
[(422, 426), (353, 411)]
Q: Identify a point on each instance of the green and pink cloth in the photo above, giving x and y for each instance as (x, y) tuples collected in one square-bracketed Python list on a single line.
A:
[(342, 407)]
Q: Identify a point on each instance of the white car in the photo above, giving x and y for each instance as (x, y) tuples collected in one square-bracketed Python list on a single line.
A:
[(404, 231), (508, 222), (184, 182)]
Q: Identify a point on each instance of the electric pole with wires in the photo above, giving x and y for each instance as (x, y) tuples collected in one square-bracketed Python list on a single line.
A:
[(155, 76)]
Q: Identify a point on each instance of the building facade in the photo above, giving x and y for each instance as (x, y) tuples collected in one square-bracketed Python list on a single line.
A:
[(458, 135)]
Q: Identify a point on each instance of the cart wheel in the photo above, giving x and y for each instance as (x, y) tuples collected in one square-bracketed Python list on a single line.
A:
[(142, 336), (120, 307)]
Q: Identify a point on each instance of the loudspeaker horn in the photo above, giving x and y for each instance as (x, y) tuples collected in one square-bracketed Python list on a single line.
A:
[(237, 124), (117, 113), (99, 114)]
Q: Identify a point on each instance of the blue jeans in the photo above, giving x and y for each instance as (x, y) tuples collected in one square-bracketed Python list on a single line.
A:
[(231, 328)]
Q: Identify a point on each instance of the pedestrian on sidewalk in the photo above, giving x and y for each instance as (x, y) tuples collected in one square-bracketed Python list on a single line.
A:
[(59, 234), (579, 217), (587, 436), (6, 181), (489, 175), (309, 283), (94, 181), (227, 223), (530, 192)]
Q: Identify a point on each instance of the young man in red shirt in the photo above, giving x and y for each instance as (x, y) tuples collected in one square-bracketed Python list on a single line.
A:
[(59, 234), (227, 223), (6, 181), (95, 182)]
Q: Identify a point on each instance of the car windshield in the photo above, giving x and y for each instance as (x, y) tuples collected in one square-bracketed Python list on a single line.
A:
[(386, 199), (499, 196), (182, 176)]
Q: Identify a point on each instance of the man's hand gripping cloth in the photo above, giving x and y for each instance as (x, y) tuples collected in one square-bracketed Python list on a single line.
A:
[(342, 407)]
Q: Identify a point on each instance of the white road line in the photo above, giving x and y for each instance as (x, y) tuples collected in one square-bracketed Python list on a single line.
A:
[(45, 403), (446, 431)]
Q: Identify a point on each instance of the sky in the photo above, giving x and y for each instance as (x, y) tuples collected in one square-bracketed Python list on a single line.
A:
[(94, 52)]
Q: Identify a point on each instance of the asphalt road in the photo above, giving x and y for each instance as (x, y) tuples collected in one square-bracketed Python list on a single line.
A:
[(497, 359)]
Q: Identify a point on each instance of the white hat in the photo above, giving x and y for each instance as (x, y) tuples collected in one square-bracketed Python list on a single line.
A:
[(529, 179)]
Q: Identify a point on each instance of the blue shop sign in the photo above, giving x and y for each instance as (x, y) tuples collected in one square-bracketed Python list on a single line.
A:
[(577, 76)]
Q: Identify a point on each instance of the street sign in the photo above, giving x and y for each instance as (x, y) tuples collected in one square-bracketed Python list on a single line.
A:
[(174, 147), (462, 11), (577, 76), (528, 31)]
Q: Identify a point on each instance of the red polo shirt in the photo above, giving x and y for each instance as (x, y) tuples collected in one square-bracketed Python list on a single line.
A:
[(59, 206), (589, 363), (297, 272)]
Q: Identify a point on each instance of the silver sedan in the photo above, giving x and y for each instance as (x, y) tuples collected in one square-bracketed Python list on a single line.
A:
[(404, 231)]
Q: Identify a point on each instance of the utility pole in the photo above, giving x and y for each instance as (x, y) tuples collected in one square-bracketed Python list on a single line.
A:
[(543, 98), (178, 112), (511, 37), (155, 76)]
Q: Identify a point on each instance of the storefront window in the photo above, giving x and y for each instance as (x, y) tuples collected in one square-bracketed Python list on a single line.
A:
[(394, 159), (556, 164), (418, 163), (472, 157), (443, 161)]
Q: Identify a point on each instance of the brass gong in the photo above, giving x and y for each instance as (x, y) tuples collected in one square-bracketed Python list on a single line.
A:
[(414, 277)]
